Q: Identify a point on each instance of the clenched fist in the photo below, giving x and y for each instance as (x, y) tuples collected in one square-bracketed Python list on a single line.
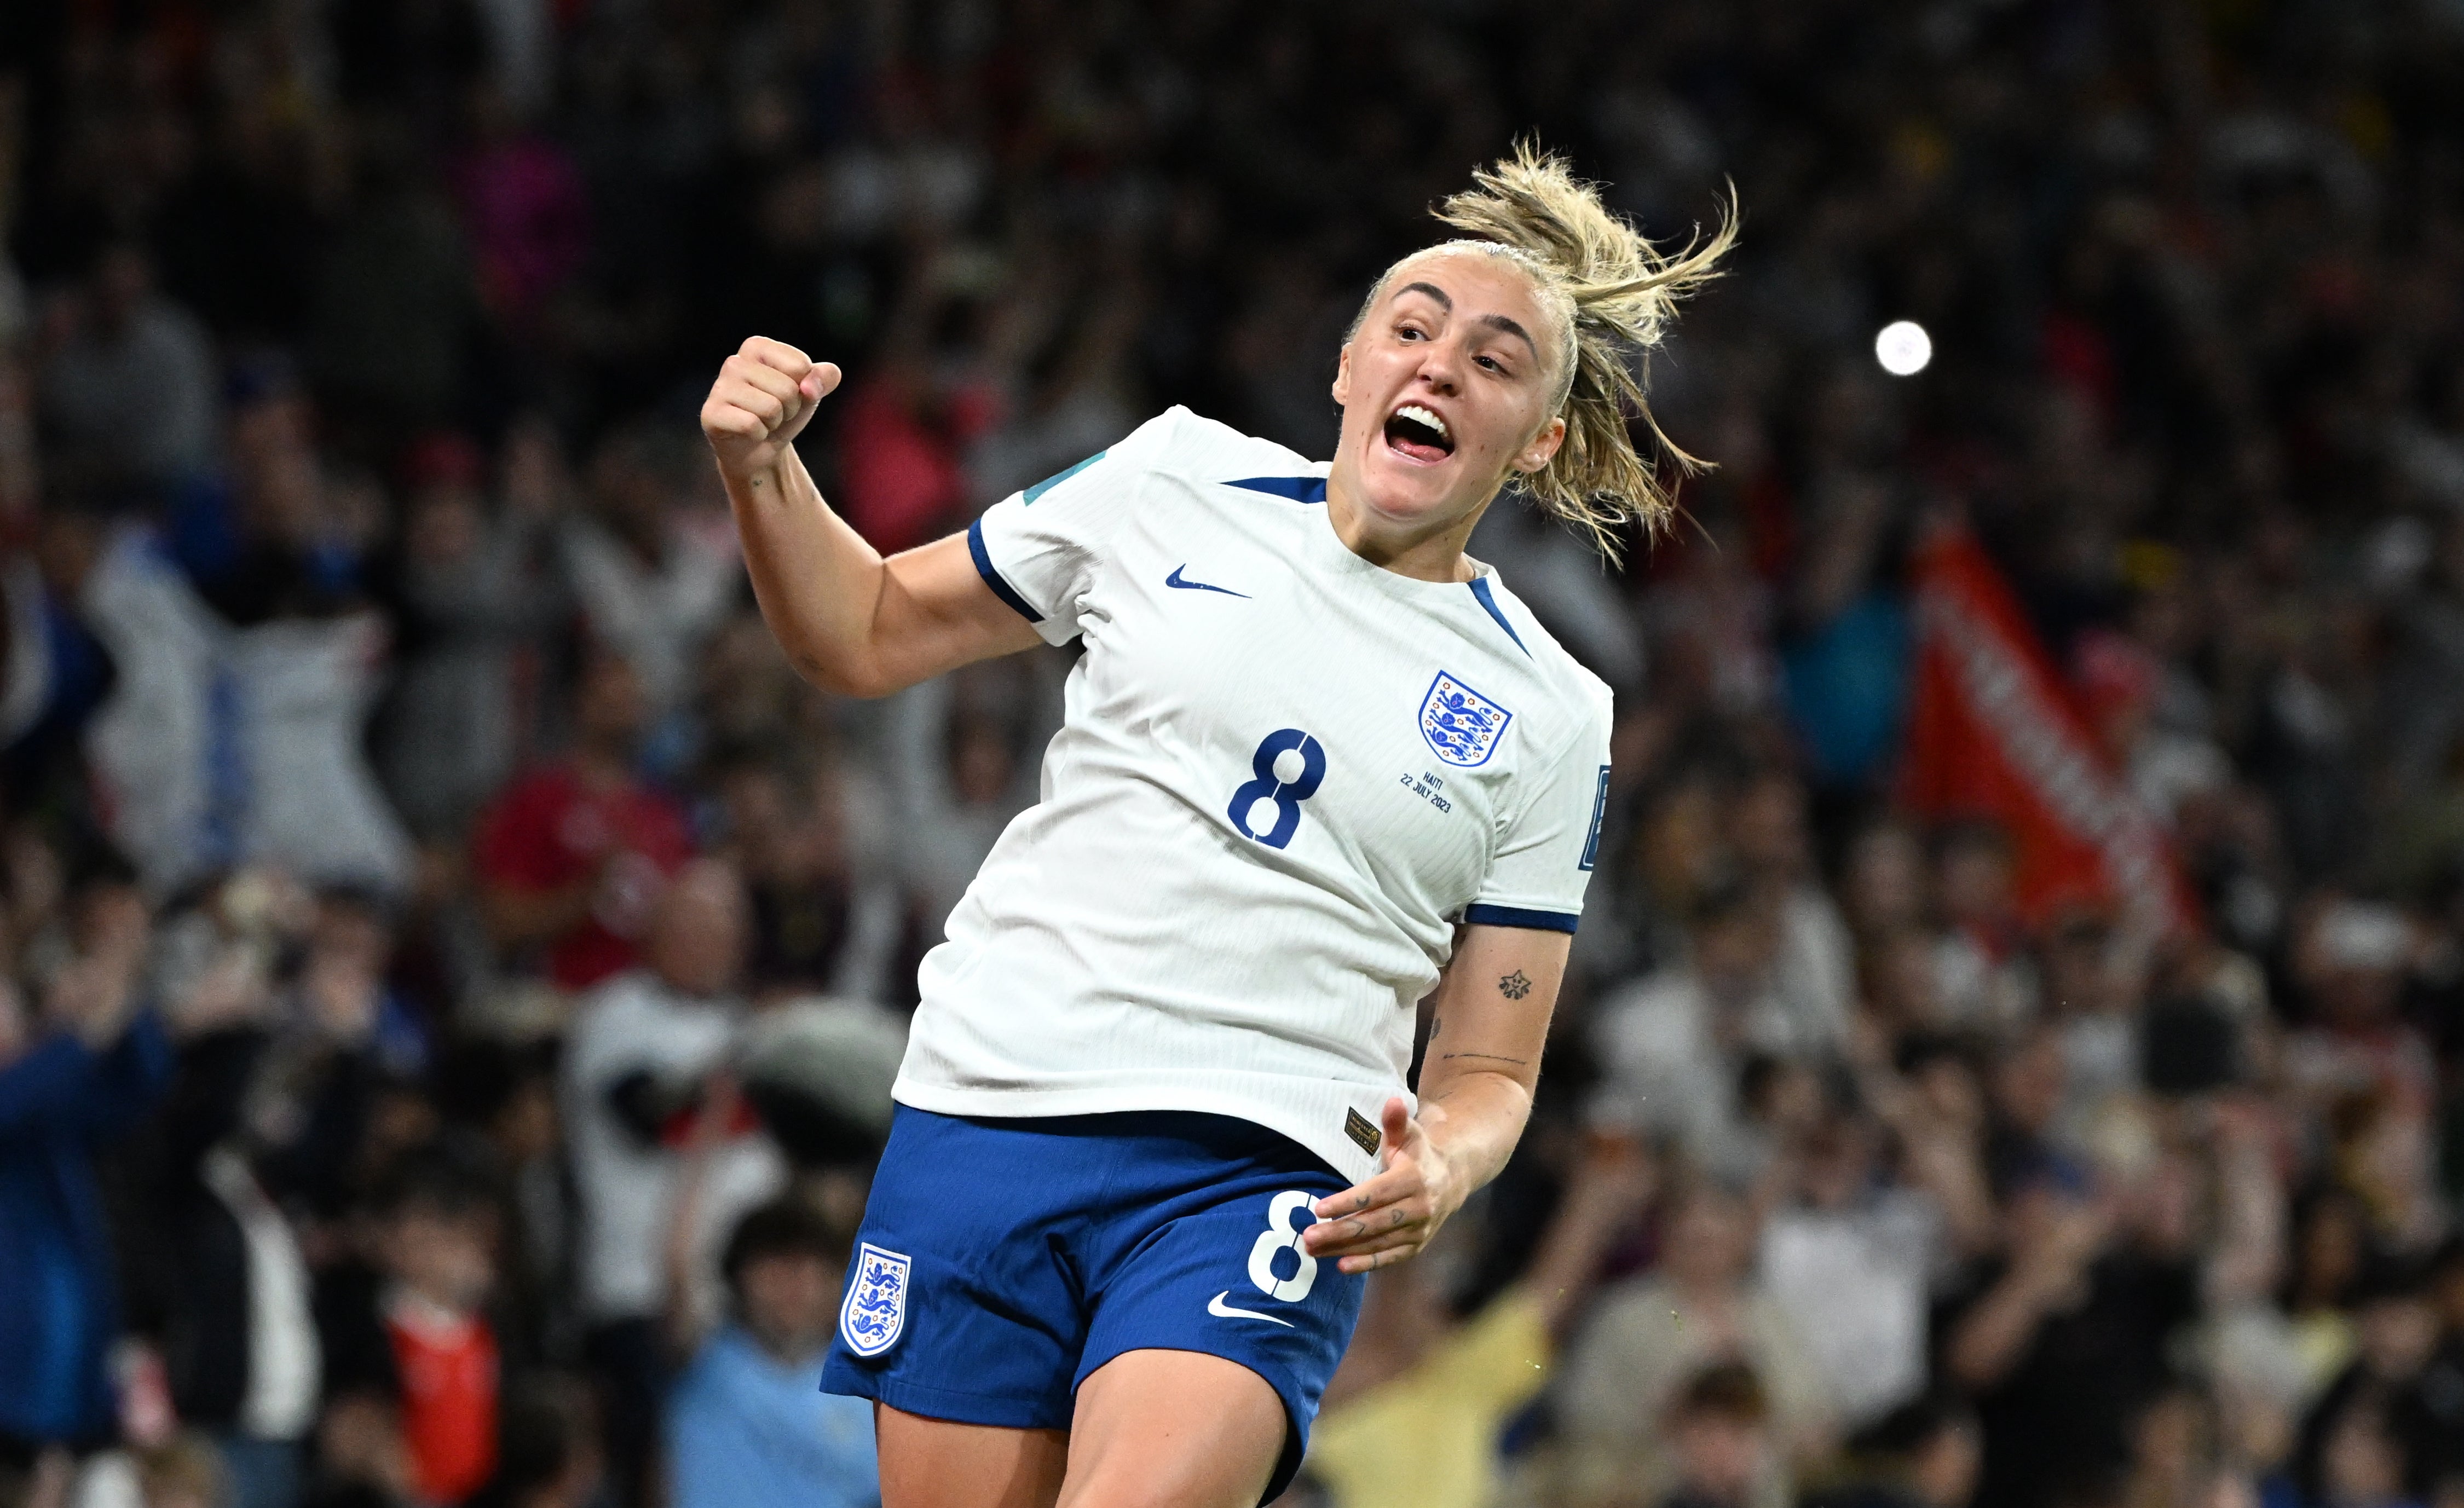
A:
[(762, 400)]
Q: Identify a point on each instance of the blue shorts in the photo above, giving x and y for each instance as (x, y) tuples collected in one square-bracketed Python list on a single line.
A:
[(1001, 1262)]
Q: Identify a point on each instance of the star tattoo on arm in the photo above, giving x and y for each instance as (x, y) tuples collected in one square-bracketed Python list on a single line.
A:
[(1514, 985)]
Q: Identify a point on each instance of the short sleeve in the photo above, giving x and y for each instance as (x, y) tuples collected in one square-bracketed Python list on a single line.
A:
[(1039, 549), (1545, 860)]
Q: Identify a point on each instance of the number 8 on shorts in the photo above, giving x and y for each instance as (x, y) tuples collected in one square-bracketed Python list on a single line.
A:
[(1281, 1236)]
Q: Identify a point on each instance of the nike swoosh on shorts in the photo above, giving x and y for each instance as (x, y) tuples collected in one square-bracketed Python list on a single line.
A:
[(1217, 1306)]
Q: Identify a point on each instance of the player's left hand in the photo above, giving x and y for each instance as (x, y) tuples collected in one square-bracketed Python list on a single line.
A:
[(1393, 1216)]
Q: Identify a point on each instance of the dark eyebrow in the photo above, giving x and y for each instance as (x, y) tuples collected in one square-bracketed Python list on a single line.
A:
[(1498, 322), (1510, 327)]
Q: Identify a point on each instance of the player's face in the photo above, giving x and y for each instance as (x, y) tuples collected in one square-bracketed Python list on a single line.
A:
[(1445, 391)]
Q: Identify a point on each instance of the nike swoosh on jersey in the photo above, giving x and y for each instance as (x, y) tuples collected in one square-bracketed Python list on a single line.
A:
[(1175, 579), (1218, 1307)]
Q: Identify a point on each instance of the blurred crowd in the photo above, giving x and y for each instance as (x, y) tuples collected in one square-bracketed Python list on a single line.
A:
[(450, 969)]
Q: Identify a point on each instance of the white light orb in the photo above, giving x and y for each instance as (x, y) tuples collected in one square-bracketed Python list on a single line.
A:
[(1904, 348)]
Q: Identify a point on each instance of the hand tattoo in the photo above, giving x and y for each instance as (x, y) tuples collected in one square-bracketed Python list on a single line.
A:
[(1514, 985)]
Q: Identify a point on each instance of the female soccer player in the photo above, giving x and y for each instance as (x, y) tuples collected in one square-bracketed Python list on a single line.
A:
[(1151, 1125)]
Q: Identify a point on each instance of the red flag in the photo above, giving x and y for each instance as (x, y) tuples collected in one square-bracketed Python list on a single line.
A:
[(1994, 733)]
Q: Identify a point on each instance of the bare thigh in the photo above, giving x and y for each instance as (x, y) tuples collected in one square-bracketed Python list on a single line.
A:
[(936, 1463), (1151, 1428), (1178, 1427)]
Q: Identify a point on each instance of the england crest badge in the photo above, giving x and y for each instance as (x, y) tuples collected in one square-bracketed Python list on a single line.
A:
[(874, 1314), (1461, 725)]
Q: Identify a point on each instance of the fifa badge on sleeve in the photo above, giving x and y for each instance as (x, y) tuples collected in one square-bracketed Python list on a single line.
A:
[(874, 1314)]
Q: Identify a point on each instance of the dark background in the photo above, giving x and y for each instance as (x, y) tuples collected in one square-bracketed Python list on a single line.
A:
[(348, 354)]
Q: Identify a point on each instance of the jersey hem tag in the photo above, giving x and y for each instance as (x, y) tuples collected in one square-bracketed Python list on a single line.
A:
[(1363, 1133)]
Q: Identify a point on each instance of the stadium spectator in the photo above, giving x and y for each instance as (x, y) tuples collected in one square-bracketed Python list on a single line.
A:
[(747, 1421), (473, 597), (1719, 1440), (2357, 1462), (820, 925), (958, 776), (572, 856), (1650, 1337), (1413, 1415), (548, 1450), (394, 303), (218, 1272), (638, 1077), (1675, 1043), (2061, 1339), (267, 537), (80, 1073), (1985, 973), (504, 1094), (126, 349), (903, 481), (1815, 971), (1883, 880), (2397, 1334), (2188, 275), (411, 1358), (181, 1473), (651, 583), (1850, 1257), (1922, 1454)]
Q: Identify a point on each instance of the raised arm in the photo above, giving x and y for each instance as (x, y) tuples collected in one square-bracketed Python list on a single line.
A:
[(850, 621)]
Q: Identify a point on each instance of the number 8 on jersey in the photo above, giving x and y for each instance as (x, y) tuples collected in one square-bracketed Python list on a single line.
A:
[(1287, 766)]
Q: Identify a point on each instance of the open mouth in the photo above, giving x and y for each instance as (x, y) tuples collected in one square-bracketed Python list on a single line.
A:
[(1419, 433)]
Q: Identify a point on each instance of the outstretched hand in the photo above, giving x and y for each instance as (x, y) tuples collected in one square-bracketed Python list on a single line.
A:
[(1395, 1213), (764, 396)]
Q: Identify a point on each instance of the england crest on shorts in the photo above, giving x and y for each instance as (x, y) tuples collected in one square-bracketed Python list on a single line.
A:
[(1461, 725), (876, 1312)]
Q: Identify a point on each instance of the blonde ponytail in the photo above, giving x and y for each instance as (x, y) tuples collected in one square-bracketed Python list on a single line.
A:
[(1614, 294)]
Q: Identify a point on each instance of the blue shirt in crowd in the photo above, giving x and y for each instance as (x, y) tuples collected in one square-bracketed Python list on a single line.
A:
[(1846, 687), (746, 1431), (58, 1318)]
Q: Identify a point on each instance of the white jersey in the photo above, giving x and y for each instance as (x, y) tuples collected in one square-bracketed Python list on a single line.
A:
[(1283, 777)]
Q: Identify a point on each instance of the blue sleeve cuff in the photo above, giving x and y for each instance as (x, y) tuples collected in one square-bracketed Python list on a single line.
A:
[(1517, 917), (993, 577)]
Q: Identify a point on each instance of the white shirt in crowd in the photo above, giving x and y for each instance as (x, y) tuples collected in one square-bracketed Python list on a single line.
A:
[(285, 1363), (656, 617), (1671, 1053), (1814, 973), (1285, 775), (1857, 1283), (636, 1023)]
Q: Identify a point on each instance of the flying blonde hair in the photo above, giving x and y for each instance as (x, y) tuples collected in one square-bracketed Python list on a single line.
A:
[(1613, 293)]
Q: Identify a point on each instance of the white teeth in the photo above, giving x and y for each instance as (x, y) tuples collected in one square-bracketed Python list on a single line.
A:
[(1419, 415)]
